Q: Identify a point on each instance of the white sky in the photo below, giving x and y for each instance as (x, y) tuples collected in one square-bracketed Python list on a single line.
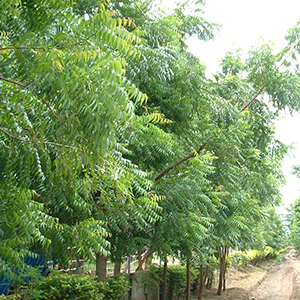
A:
[(244, 24)]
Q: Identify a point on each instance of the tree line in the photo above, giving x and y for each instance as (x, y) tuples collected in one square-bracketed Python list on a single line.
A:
[(114, 142)]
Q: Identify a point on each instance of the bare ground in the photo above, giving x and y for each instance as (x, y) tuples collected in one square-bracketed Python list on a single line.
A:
[(280, 281)]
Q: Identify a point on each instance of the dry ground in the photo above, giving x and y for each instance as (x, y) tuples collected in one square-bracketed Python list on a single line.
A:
[(272, 281)]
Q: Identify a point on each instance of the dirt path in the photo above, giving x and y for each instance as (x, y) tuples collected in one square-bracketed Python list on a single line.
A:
[(275, 281), (283, 283)]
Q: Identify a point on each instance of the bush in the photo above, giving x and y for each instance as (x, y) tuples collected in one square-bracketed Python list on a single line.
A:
[(270, 253), (176, 280), (240, 258), (60, 286), (116, 288), (12, 297), (280, 252), (255, 256)]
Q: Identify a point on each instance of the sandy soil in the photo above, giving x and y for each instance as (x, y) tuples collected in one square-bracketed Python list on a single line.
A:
[(283, 283), (280, 281)]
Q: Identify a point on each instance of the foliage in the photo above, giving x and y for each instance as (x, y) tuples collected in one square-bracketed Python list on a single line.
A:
[(294, 224), (176, 284), (63, 286), (116, 288), (113, 141), (64, 100), (255, 256), (274, 231)]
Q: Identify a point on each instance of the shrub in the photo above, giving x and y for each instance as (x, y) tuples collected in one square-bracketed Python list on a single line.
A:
[(255, 256), (270, 253), (240, 258), (176, 280), (59, 286), (116, 287), (280, 252)]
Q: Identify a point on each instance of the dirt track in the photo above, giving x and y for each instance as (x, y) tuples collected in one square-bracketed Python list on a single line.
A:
[(283, 283), (273, 281)]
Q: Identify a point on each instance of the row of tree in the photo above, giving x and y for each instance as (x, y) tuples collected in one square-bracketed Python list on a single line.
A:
[(113, 141)]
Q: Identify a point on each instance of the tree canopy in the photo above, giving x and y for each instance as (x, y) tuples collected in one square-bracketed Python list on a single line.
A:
[(113, 140)]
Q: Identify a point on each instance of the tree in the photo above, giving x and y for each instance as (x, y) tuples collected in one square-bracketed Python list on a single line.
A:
[(274, 231), (294, 225), (64, 98)]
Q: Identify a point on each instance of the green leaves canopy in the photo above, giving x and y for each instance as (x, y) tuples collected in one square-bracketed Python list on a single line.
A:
[(111, 133)]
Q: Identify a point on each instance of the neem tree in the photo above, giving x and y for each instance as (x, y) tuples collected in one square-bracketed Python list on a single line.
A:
[(88, 161)]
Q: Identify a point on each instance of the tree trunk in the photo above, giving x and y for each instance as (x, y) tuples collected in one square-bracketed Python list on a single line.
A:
[(117, 268), (201, 283), (222, 266), (148, 258), (101, 262), (224, 278), (205, 279), (164, 287), (127, 265), (188, 280), (210, 279), (141, 261), (224, 271)]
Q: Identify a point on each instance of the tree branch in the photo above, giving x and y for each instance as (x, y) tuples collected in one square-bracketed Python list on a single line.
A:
[(38, 94), (14, 137), (232, 157), (179, 163), (202, 147), (247, 104), (27, 47), (139, 8), (32, 141)]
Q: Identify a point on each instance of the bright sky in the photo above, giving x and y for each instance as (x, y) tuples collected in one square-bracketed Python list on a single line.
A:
[(244, 24)]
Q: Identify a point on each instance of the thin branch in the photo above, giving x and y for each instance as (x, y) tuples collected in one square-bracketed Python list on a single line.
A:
[(27, 47), (179, 163), (202, 147), (139, 8), (38, 94), (60, 145), (232, 157), (14, 137), (55, 115), (32, 141), (247, 104), (12, 81)]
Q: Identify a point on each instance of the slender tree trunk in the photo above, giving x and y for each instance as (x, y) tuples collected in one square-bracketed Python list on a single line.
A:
[(117, 268), (224, 278), (188, 280), (148, 258), (206, 273), (101, 262), (224, 271), (77, 264), (140, 267), (210, 279), (127, 265), (222, 265), (164, 287), (201, 283)]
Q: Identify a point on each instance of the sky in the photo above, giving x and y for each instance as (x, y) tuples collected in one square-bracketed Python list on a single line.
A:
[(246, 24)]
